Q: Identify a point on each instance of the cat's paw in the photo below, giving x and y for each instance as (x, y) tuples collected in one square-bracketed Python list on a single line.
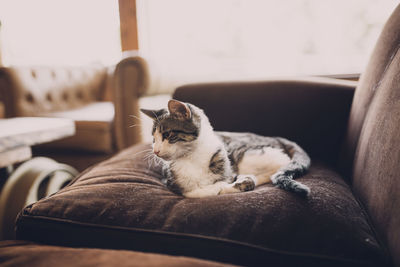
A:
[(245, 183), (228, 190), (200, 193)]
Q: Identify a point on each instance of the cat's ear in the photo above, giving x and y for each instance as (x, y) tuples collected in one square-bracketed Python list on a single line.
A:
[(153, 114), (179, 109)]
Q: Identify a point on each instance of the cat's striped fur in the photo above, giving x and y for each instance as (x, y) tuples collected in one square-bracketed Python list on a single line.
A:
[(199, 162)]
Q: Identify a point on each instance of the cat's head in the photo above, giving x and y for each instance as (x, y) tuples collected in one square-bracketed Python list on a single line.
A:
[(176, 130)]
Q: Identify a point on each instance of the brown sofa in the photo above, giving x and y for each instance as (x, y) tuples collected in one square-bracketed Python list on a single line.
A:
[(351, 218), (25, 253), (99, 99)]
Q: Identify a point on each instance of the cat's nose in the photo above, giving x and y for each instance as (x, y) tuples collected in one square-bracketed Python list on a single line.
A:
[(157, 152)]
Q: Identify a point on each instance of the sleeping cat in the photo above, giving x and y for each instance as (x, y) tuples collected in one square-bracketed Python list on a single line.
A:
[(200, 162)]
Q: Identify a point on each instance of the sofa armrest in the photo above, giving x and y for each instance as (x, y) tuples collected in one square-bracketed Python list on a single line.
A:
[(130, 81), (311, 111)]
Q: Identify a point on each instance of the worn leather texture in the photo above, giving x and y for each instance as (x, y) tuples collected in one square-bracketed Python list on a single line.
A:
[(36, 90), (27, 254), (121, 203), (311, 111), (94, 128), (372, 153)]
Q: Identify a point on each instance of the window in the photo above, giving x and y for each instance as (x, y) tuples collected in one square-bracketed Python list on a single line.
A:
[(49, 32), (239, 39)]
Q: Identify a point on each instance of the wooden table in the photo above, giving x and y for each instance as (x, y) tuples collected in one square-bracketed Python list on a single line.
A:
[(17, 135)]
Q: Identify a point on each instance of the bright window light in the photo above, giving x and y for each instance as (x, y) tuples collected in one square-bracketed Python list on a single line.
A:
[(238, 39), (55, 32)]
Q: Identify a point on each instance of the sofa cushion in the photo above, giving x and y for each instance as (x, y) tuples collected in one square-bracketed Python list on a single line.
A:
[(23, 253), (121, 203), (94, 131)]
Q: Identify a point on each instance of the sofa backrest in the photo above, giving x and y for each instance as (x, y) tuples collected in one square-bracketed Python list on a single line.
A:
[(372, 144), (312, 112), (33, 90)]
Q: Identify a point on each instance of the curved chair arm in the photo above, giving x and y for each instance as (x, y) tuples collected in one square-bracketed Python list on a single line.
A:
[(130, 81)]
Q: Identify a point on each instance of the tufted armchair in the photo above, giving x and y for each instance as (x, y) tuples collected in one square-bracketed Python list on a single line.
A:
[(99, 99)]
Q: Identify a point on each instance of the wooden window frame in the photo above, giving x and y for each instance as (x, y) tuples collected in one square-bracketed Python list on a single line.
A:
[(128, 25)]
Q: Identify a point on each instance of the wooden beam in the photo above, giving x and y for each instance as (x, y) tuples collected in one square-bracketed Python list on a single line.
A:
[(128, 25)]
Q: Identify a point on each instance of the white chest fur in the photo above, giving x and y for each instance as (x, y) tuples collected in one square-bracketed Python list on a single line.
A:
[(193, 173)]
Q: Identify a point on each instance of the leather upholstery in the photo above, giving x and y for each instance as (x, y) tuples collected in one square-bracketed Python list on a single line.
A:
[(121, 203), (99, 99), (94, 128), (311, 111), (372, 155), (28, 254), (38, 90), (131, 74)]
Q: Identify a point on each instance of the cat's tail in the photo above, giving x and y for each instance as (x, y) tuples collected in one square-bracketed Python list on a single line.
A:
[(299, 164)]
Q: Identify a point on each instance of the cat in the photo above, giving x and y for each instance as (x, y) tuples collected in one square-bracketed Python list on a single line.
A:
[(200, 162)]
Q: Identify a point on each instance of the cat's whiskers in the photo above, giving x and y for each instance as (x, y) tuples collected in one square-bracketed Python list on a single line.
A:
[(148, 155), (143, 151), (150, 158), (137, 118)]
